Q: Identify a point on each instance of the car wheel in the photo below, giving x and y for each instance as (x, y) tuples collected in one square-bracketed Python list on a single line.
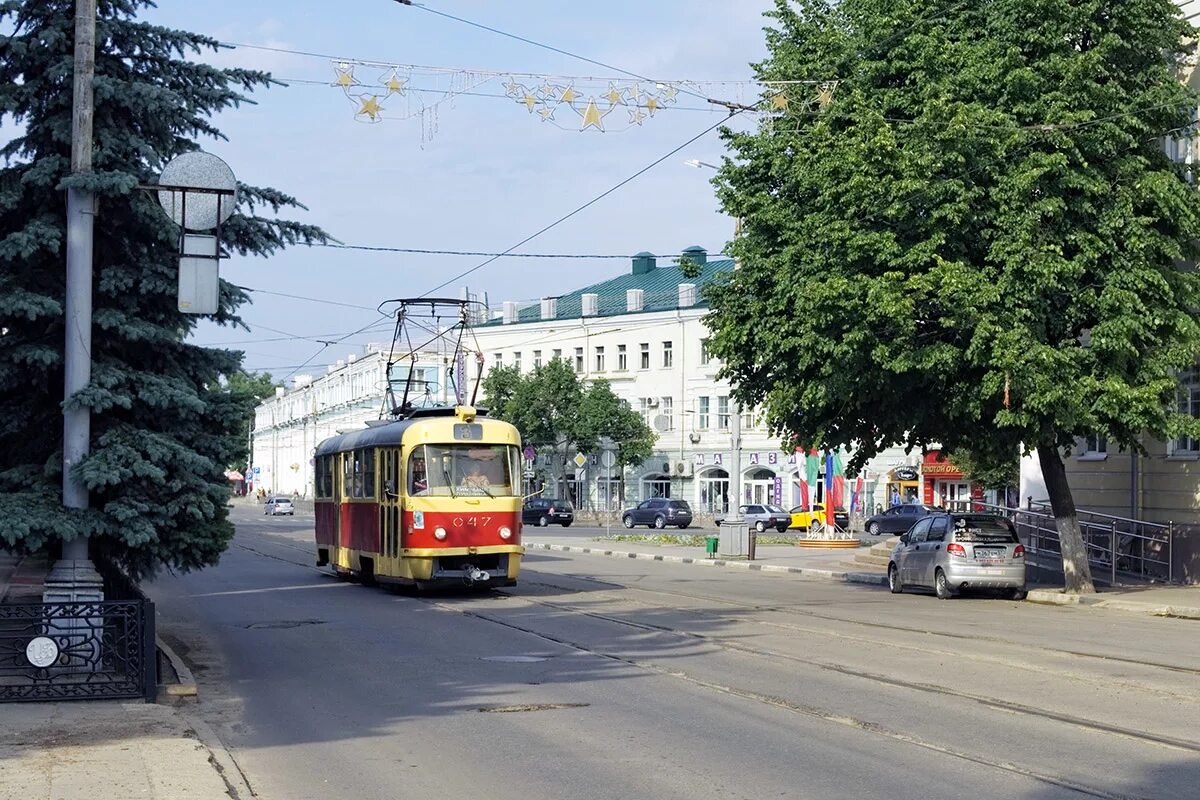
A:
[(1018, 594), (873, 529), (660, 522), (567, 524), (942, 586), (683, 527), (781, 528), (894, 584), (543, 522), (760, 526), (627, 521)]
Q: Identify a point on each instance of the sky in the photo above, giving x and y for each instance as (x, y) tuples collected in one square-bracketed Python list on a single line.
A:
[(478, 173)]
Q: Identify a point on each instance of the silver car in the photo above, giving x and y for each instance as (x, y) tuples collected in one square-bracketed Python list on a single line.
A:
[(279, 505), (952, 552), (761, 516)]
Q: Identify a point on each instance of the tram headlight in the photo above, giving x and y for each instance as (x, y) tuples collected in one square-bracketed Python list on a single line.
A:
[(505, 533), (439, 534)]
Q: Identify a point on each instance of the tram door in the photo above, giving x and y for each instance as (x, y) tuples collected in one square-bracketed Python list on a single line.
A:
[(338, 499), (389, 502)]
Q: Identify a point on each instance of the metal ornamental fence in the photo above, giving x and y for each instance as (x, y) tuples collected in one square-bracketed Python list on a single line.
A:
[(79, 650), (1118, 548)]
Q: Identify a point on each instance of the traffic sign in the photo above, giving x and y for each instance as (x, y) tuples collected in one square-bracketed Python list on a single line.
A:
[(529, 453), (580, 459), (608, 458)]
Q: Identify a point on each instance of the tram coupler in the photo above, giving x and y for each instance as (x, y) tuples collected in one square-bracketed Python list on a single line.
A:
[(475, 575)]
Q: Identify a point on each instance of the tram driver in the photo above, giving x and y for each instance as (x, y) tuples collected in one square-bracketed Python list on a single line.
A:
[(419, 484)]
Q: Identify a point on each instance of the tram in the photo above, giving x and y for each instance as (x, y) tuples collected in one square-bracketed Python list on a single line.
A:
[(433, 497)]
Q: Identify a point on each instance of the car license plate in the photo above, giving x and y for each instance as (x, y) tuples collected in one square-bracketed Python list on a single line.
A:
[(993, 572), (988, 553), (990, 562)]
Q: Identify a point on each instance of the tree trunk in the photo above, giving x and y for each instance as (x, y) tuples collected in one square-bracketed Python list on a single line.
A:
[(1077, 574)]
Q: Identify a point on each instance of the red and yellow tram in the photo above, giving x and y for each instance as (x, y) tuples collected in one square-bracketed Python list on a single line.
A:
[(431, 498)]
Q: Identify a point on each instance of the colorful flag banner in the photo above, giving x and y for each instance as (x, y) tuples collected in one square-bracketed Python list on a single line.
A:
[(812, 468)]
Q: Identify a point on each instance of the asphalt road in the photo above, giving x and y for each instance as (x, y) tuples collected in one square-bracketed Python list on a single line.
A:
[(613, 678)]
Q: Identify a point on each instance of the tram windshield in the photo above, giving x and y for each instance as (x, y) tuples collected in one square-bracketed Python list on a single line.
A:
[(451, 470)]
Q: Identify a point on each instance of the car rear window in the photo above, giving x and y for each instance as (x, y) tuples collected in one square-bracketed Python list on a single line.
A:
[(983, 530), (776, 510), (680, 504)]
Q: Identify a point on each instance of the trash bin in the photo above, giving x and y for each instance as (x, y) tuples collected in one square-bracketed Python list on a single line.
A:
[(710, 546)]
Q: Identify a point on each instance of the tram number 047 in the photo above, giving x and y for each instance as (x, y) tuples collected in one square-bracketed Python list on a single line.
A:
[(473, 522)]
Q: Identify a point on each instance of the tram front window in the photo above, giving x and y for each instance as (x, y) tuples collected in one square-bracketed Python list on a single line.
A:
[(446, 470)]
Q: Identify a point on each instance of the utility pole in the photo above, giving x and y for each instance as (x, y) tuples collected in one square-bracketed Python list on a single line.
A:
[(735, 470), (74, 578)]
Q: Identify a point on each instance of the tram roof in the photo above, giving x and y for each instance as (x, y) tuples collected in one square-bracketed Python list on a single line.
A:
[(385, 434)]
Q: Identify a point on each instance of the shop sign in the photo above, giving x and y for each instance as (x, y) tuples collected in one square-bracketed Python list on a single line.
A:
[(941, 469), (905, 474), (698, 459), (754, 458), (773, 458), (718, 459)]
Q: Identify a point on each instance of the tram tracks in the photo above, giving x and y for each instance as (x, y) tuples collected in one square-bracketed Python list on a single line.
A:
[(828, 715)]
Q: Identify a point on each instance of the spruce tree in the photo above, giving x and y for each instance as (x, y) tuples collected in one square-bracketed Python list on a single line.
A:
[(163, 427)]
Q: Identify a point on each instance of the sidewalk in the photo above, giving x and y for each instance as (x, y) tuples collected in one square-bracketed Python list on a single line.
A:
[(99, 749), (837, 565)]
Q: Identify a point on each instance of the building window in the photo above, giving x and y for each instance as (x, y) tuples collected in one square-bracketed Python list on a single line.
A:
[(1095, 445), (702, 411), (646, 408), (705, 356), (599, 359), (622, 358), (645, 363), (1189, 404), (723, 412), (668, 356), (557, 354), (656, 486), (667, 409), (499, 359), (748, 421), (537, 359), (517, 361), (579, 359)]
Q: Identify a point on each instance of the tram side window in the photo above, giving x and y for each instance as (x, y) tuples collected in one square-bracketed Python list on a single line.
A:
[(323, 477), (368, 472), (348, 475)]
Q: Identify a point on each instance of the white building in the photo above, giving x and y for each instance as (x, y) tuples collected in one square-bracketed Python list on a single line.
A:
[(288, 426), (643, 331)]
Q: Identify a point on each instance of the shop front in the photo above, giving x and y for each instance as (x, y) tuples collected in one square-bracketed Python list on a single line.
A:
[(947, 487), (903, 485)]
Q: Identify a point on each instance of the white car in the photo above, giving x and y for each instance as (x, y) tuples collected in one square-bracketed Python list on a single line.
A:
[(279, 505)]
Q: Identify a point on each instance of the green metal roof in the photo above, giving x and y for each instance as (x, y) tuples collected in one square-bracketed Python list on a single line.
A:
[(660, 285)]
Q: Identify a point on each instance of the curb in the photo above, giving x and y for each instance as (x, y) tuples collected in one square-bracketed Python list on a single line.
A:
[(842, 576), (187, 682), (1056, 597)]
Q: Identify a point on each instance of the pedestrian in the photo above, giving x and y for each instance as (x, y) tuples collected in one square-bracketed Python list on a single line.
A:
[(895, 496)]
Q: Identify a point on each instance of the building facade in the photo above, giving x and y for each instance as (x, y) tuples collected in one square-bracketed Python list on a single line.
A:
[(644, 333), (288, 427)]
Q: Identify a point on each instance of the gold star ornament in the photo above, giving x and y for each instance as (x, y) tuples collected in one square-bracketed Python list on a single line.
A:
[(592, 118), (370, 107)]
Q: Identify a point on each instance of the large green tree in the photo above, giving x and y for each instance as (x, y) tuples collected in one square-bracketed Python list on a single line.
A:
[(163, 427), (965, 230), (557, 412)]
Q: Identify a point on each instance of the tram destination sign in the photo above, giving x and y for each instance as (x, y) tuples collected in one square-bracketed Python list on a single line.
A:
[(468, 432)]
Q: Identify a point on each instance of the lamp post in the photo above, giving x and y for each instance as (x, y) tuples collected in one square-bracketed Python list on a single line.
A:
[(735, 426), (74, 577)]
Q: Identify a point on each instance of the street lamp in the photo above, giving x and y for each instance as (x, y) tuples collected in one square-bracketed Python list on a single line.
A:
[(735, 427)]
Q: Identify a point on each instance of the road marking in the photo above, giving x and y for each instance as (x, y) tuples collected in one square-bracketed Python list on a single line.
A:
[(275, 589)]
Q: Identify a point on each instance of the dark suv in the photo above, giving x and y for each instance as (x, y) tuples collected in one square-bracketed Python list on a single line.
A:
[(659, 512), (546, 510)]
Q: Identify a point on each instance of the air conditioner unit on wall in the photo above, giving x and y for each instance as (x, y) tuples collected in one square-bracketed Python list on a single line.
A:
[(651, 402), (694, 438), (683, 468)]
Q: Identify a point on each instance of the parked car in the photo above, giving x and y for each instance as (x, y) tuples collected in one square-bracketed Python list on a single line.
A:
[(543, 511), (658, 512), (952, 552), (761, 517), (805, 520), (279, 505), (897, 519)]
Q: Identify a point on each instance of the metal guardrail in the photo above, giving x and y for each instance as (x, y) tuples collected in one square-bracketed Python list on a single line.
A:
[(80, 650), (1119, 546)]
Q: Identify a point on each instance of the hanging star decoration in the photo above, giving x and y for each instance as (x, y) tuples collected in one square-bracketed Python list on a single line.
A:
[(395, 84), (591, 104), (369, 107), (345, 75), (803, 97)]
